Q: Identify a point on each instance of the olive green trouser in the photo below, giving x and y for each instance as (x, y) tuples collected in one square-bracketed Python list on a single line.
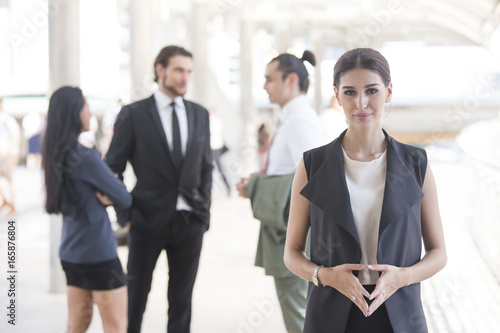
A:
[(291, 293)]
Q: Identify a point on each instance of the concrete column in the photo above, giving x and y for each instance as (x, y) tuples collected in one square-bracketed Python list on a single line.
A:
[(246, 72), (282, 31), (200, 53), (64, 44), (318, 52), (141, 48), (64, 68), (248, 134)]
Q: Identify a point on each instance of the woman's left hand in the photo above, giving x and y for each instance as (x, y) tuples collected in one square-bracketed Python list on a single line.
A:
[(391, 279)]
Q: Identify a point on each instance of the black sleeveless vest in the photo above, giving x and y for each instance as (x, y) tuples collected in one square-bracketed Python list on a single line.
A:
[(334, 240)]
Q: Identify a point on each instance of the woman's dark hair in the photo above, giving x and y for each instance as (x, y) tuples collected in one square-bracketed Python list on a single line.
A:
[(168, 52), (61, 135), (362, 58), (289, 63)]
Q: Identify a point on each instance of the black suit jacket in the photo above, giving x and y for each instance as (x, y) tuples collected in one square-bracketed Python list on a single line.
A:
[(139, 138), (334, 240)]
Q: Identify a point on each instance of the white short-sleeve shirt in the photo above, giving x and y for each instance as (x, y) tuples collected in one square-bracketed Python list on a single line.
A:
[(299, 130)]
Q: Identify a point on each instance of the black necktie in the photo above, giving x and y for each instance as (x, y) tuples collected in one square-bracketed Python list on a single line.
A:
[(176, 139)]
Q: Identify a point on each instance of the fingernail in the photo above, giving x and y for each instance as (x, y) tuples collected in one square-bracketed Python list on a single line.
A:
[(369, 266)]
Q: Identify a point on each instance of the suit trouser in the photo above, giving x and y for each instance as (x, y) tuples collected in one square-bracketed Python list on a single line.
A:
[(182, 244), (292, 296)]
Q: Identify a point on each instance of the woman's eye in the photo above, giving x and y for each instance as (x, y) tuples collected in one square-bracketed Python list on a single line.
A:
[(350, 92), (372, 91)]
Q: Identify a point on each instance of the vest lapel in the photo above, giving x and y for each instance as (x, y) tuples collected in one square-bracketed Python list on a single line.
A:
[(401, 188), (327, 189)]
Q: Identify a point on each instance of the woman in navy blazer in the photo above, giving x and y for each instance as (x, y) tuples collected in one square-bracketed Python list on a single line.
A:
[(78, 185), (322, 202)]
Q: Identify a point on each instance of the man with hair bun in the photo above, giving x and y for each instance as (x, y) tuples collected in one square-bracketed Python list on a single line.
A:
[(298, 130)]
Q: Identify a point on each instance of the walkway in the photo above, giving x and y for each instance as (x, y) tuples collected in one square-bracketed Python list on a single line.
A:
[(232, 296)]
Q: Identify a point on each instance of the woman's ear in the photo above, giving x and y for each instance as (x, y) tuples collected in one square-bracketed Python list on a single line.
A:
[(388, 93)]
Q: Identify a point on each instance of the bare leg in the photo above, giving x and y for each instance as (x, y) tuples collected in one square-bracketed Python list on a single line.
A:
[(12, 197), (2, 197), (112, 306), (80, 309)]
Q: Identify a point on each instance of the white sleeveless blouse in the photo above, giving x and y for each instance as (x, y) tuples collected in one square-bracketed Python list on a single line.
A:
[(366, 184)]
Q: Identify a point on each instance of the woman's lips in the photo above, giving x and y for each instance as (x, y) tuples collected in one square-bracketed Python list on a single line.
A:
[(363, 116)]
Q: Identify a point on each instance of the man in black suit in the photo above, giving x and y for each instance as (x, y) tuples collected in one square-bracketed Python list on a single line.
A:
[(167, 140)]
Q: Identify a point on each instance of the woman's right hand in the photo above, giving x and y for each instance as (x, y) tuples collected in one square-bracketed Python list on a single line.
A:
[(341, 278), (104, 199)]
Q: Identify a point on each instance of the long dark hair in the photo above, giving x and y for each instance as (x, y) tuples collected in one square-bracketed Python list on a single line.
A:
[(61, 135), (288, 63), (362, 58)]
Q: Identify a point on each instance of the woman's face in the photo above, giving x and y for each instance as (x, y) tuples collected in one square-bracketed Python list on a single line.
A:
[(362, 94), (85, 117)]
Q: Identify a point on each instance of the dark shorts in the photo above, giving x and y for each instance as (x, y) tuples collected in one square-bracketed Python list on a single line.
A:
[(104, 275), (378, 322)]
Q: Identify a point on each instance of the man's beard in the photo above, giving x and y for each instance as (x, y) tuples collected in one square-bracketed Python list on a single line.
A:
[(172, 89)]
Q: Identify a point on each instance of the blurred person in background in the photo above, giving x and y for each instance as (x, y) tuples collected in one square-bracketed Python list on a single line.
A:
[(218, 146), (10, 139), (33, 126), (298, 130), (79, 185), (263, 141), (166, 138)]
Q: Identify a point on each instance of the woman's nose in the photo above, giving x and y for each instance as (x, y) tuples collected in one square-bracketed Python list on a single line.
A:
[(362, 102)]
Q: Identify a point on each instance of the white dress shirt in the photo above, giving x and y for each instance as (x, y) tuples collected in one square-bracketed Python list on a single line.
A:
[(299, 130), (165, 111), (366, 184)]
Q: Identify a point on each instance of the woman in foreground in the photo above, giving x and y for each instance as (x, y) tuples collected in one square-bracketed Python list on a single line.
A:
[(368, 201)]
